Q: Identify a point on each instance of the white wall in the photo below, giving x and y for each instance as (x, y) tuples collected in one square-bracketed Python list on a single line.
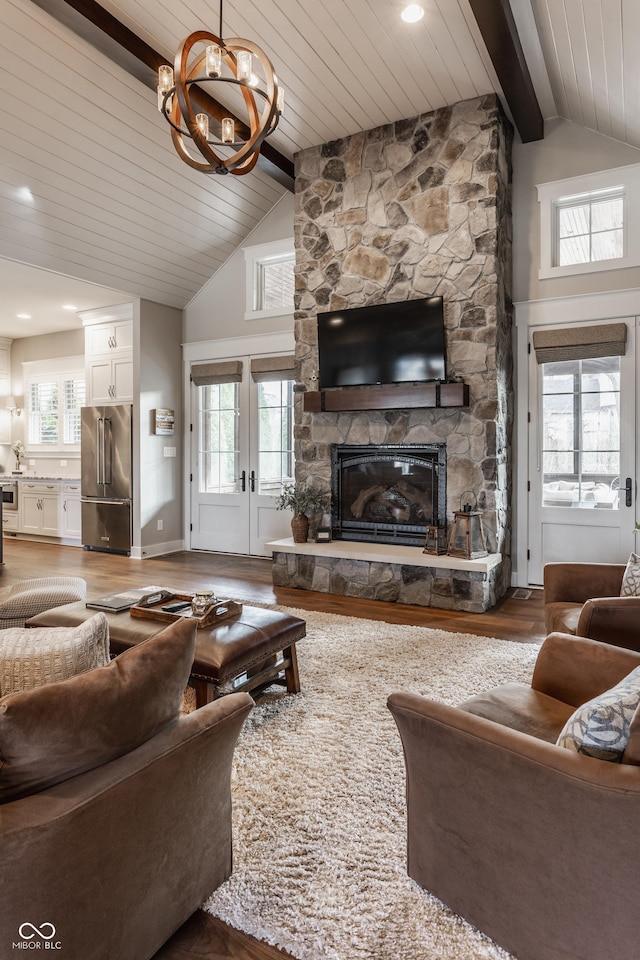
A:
[(568, 150), (217, 311)]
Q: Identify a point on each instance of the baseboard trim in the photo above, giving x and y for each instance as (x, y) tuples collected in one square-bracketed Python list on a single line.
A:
[(157, 549)]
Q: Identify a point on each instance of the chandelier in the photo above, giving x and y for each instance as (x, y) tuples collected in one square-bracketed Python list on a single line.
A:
[(236, 62)]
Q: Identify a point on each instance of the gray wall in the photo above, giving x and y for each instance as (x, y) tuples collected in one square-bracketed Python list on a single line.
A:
[(568, 150), (68, 343), (157, 383), (217, 311)]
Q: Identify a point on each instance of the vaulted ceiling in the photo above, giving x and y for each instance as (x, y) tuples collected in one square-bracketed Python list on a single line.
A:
[(90, 186)]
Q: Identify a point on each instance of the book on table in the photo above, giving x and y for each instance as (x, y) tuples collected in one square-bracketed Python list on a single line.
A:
[(119, 602)]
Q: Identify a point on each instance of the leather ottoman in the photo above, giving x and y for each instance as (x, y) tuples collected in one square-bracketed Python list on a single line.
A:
[(248, 652)]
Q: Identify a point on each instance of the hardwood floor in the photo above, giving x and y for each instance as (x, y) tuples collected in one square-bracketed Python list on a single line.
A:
[(204, 937)]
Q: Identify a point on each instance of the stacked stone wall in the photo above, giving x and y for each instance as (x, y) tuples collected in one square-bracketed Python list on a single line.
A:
[(417, 208)]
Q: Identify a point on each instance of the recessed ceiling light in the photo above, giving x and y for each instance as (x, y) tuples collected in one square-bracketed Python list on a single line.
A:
[(23, 316), (412, 13), (69, 306)]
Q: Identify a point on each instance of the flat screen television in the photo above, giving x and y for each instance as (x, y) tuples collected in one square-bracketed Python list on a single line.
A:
[(387, 343)]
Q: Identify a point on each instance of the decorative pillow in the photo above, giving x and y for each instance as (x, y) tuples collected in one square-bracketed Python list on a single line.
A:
[(31, 657), (600, 727), (59, 730), (631, 577)]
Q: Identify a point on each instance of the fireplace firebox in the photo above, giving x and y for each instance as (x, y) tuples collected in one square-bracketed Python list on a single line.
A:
[(387, 494)]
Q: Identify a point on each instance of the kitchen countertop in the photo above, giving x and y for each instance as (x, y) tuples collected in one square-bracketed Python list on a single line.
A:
[(5, 477)]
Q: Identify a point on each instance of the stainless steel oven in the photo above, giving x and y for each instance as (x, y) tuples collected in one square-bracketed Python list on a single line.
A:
[(9, 494)]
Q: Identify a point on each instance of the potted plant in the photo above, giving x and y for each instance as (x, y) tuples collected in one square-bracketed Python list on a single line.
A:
[(294, 497), (319, 502), (304, 500)]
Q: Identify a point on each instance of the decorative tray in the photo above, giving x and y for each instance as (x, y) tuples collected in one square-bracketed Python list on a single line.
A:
[(150, 608)]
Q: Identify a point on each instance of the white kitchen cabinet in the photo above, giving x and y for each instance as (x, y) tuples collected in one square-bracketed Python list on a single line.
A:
[(71, 525), (10, 521), (105, 338), (109, 379), (108, 348), (39, 504)]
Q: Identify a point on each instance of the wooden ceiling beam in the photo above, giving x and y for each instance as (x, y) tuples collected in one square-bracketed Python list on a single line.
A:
[(102, 30), (500, 35)]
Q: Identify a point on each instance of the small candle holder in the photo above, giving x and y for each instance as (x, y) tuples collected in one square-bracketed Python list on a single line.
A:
[(201, 602)]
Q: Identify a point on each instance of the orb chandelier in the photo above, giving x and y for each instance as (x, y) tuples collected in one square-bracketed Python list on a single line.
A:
[(236, 62)]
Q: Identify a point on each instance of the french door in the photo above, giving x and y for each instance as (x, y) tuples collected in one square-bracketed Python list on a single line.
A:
[(582, 459), (241, 455)]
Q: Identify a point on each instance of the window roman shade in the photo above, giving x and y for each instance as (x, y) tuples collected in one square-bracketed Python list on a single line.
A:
[(273, 368), (222, 371), (580, 343)]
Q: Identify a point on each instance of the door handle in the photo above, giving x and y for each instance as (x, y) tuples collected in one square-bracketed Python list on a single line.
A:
[(243, 480), (628, 492), (253, 481)]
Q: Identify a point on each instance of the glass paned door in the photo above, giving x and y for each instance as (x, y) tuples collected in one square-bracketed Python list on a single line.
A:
[(582, 456), (272, 443), (242, 454)]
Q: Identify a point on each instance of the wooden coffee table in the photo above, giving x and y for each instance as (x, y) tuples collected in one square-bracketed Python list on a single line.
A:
[(248, 652)]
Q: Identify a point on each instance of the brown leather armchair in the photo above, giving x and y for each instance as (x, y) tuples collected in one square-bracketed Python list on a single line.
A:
[(584, 599), (534, 844), (115, 812)]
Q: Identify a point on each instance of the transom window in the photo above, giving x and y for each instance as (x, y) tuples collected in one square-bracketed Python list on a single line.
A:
[(590, 227), (273, 287), (590, 223), (581, 433), (270, 280)]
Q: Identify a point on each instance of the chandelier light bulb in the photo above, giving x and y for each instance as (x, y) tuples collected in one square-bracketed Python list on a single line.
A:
[(228, 131), (165, 82), (243, 58), (412, 13), (203, 124), (213, 60), (280, 100)]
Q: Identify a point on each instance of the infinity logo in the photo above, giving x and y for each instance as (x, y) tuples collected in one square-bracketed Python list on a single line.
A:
[(37, 931)]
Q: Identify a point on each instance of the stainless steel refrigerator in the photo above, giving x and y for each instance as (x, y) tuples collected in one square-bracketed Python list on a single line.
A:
[(106, 477)]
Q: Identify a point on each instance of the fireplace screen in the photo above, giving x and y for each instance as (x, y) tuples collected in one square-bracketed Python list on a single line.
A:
[(387, 494)]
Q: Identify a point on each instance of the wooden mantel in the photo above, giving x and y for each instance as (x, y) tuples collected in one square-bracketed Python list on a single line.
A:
[(394, 396)]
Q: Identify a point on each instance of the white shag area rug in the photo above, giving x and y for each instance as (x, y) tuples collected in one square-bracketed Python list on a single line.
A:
[(319, 861)]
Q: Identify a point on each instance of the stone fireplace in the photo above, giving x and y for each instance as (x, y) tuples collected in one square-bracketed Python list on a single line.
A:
[(387, 494), (417, 208)]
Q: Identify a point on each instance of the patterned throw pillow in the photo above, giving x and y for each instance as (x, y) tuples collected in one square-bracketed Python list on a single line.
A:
[(600, 727), (631, 577), (31, 657)]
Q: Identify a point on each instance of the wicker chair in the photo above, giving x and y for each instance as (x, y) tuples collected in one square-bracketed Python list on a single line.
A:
[(30, 597)]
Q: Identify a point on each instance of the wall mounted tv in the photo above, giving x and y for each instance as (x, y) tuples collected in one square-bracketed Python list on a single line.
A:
[(387, 343)]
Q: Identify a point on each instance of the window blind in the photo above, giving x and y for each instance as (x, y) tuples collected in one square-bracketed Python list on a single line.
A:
[(580, 343), (273, 368), (221, 371)]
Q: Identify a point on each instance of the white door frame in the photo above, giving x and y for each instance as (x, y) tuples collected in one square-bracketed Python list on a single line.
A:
[(560, 311), (224, 349)]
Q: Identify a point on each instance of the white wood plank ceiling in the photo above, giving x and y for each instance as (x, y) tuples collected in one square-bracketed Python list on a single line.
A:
[(91, 187), (592, 54)]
